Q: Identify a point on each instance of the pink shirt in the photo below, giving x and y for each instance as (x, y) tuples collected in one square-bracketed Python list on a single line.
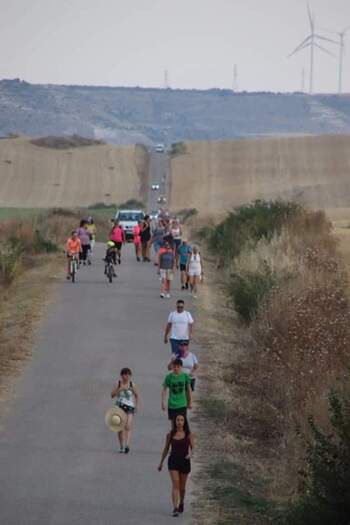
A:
[(136, 233), (117, 234)]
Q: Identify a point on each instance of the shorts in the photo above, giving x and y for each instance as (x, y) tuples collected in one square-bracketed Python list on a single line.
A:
[(118, 245), (182, 267), (182, 465), (173, 412), (126, 408), (194, 273), (166, 274)]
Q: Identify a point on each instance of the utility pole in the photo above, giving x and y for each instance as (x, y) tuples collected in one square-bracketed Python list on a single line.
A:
[(303, 80), (166, 79), (235, 78), (341, 60)]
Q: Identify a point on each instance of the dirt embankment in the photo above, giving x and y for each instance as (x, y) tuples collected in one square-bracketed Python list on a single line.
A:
[(215, 176), (33, 176)]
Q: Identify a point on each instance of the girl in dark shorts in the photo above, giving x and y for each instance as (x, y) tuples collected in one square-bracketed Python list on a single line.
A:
[(180, 440), (127, 398)]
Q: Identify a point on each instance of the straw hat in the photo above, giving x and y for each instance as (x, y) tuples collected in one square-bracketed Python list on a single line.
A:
[(115, 419)]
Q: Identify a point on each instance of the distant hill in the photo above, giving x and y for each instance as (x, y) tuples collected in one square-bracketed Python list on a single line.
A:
[(139, 115), (216, 176)]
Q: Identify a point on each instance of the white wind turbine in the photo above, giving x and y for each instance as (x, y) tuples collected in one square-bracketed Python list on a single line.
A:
[(341, 45), (311, 41)]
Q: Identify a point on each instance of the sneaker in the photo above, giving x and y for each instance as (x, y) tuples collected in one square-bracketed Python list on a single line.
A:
[(138, 259), (126, 450), (186, 286), (167, 295), (182, 287), (162, 295), (194, 296), (68, 277), (175, 513), (181, 507), (121, 450)]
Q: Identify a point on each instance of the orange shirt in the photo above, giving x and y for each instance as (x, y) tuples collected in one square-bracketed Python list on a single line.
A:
[(73, 246)]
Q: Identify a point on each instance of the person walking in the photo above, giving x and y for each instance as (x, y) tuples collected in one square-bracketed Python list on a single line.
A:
[(184, 252), (180, 443), (84, 238), (178, 386), (189, 362), (127, 399), (179, 326), (145, 238), (194, 270), (136, 232), (158, 238), (176, 233), (166, 269)]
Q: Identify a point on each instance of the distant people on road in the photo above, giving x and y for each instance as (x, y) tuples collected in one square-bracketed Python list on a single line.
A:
[(177, 386), (183, 252), (84, 237), (117, 235), (91, 228), (136, 232), (176, 233), (166, 269), (179, 326), (195, 270), (127, 398), (189, 362), (180, 443), (146, 238), (158, 238), (73, 247)]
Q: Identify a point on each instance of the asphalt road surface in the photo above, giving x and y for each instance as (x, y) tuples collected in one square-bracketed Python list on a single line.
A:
[(60, 465), (158, 174)]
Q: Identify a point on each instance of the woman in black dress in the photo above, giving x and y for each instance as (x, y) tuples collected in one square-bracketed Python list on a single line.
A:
[(180, 441), (145, 235)]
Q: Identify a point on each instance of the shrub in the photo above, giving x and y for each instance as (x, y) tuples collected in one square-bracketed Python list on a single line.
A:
[(10, 261), (102, 206), (249, 289), (131, 204), (178, 148), (186, 214), (326, 497)]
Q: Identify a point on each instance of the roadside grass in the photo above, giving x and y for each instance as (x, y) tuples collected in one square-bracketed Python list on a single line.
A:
[(263, 379)]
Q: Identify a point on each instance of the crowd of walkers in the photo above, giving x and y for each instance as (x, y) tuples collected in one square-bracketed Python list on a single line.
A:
[(171, 253)]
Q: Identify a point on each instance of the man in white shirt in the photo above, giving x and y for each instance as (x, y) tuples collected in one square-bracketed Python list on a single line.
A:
[(179, 326)]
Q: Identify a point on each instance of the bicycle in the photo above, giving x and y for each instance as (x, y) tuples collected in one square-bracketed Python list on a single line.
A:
[(109, 269), (74, 265)]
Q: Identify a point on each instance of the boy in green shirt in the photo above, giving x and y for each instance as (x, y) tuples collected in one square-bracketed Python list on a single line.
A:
[(180, 394)]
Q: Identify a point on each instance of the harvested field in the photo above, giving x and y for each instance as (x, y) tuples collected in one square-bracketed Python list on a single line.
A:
[(215, 176), (34, 176)]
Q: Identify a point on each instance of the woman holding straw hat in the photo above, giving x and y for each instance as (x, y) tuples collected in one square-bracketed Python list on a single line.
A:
[(180, 442), (127, 399)]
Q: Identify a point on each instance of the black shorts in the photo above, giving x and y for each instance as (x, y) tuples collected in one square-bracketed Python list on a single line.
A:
[(182, 465), (118, 245), (173, 412), (182, 267), (126, 408)]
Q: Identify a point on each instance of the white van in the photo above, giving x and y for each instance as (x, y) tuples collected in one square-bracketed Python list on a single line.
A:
[(128, 219)]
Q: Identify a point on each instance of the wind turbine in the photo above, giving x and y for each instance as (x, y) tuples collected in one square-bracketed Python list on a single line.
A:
[(341, 45), (311, 41)]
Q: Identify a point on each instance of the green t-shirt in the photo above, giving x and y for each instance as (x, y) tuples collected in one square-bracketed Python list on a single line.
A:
[(177, 385)]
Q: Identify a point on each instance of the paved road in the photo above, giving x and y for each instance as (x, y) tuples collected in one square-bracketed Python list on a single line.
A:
[(158, 169), (59, 463)]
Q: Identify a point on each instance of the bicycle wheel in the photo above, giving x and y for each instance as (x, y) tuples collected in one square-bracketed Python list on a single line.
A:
[(110, 273)]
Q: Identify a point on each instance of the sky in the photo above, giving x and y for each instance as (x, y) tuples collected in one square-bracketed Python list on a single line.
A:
[(132, 43)]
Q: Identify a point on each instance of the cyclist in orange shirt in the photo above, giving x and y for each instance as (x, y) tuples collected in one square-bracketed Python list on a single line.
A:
[(73, 247)]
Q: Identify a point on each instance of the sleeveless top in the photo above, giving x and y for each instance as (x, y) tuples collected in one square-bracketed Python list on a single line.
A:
[(126, 396), (195, 262), (180, 447)]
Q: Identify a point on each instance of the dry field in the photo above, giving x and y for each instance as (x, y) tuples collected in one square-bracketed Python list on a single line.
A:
[(33, 176), (215, 176)]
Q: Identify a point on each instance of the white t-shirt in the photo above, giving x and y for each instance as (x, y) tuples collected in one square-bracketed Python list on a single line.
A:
[(179, 324), (188, 362)]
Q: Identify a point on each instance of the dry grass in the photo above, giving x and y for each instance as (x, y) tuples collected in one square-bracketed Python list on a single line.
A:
[(260, 384)]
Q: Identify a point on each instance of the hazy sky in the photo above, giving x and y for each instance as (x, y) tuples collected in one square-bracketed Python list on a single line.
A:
[(132, 42)]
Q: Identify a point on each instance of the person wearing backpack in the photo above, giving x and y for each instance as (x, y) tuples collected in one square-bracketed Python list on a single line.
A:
[(179, 327)]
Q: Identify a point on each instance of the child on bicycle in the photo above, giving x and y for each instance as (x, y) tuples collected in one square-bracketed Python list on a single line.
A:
[(73, 248), (110, 257)]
